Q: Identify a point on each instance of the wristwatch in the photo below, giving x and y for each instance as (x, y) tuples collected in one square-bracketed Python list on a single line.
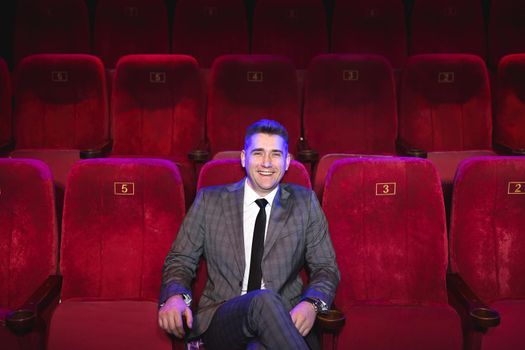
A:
[(185, 297), (319, 305)]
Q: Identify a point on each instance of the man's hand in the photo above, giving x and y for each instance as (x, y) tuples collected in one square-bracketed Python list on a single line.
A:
[(171, 316), (303, 317)]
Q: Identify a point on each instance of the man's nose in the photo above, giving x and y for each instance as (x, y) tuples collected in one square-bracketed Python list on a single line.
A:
[(267, 160)]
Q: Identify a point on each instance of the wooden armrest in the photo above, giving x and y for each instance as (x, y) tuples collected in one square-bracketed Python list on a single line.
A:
[(331, 321), (98, 152), (305, 154), (6, 148), (199, 155), (409, 151), (480, 314), (508, 150), (23, 319)]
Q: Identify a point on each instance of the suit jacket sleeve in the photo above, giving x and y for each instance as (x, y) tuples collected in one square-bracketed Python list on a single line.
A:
[(183, 258), (320, 256)]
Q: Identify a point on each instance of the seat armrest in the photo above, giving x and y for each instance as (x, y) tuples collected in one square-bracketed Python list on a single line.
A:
[(199, 155), (7, 147), (23, 319), (305, 154), (331, 321), (480, 314), (501, 148), (98, 152), (409, 151)]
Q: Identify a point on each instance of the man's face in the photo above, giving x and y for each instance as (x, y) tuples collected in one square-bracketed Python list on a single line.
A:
[(265, 160)]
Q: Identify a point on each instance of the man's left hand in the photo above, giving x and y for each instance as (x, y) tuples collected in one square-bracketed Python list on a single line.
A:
[(303, 317)]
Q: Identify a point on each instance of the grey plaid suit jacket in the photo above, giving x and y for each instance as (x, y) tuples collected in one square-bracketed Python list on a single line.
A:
[(297, 234)]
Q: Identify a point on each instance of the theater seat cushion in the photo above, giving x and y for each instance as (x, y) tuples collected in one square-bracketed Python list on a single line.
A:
[(121, 324)]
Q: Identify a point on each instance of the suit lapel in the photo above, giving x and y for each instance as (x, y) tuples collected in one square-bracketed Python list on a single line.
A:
[(233, 212), (280, 211)]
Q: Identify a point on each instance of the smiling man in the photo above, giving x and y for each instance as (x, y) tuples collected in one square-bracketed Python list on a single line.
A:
[(255, 235)]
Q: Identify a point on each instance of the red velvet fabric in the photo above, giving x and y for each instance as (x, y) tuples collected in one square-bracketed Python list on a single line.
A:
[(158, 106), (50, 26), (158, 110), (509, 119), (293, 28), (487, 245), (387, 222), (448, 26), (129, 26), (383, 326), (114, 243), (350, 105), (60, 102), (206, 29), (10, 341), (506, 29), (445, 103), (107, 325), (509, 334), (370, 26), (323, 166), (246, 88), (5, 104), (28, 229)]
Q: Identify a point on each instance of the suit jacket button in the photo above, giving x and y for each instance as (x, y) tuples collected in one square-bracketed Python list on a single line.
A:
[(240, 283)]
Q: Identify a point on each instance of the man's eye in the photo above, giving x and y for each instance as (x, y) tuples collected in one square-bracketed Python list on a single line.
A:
[(257, 153), (276, 155)]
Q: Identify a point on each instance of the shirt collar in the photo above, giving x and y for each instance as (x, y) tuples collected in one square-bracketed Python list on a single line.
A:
[(250, 195)]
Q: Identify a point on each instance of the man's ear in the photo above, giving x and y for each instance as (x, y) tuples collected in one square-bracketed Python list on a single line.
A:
[(288, 160), (243, 159)]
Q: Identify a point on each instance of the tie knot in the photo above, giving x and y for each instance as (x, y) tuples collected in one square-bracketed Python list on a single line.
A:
[(261, 202)]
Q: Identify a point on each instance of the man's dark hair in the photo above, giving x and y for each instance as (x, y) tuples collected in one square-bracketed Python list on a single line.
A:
[(266, 126)]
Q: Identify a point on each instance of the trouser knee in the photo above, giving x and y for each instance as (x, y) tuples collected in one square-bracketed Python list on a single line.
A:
[(266, 301)]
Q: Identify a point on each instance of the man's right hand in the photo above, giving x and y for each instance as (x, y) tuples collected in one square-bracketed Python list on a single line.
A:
[(171, 316)]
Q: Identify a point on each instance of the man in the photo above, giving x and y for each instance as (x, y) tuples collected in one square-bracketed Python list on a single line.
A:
[(256, 235)]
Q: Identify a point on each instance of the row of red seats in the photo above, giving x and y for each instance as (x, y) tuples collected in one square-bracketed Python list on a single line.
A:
[(387, 223), (298, 29), (159, 108)]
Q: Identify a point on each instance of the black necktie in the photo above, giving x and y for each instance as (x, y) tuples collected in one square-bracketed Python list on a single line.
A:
[(254, 281)]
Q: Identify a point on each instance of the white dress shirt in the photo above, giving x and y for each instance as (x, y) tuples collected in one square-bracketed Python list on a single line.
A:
[(249, 212)]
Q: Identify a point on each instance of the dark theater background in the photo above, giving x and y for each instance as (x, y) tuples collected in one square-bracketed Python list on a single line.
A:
[(406, 117)]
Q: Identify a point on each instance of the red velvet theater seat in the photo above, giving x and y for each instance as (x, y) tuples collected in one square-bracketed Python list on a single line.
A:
[(293, 28), (509, 119), (206, 29), (120, 218), (6, 136), (129, 26), (387, 223), (350, 105), (370, 26), (325, 163), (487, 244), (28, 248), (60, 108), (506, 29), (445, 110), (448, 26), (50, 26), (246, 88), (158, 111)]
